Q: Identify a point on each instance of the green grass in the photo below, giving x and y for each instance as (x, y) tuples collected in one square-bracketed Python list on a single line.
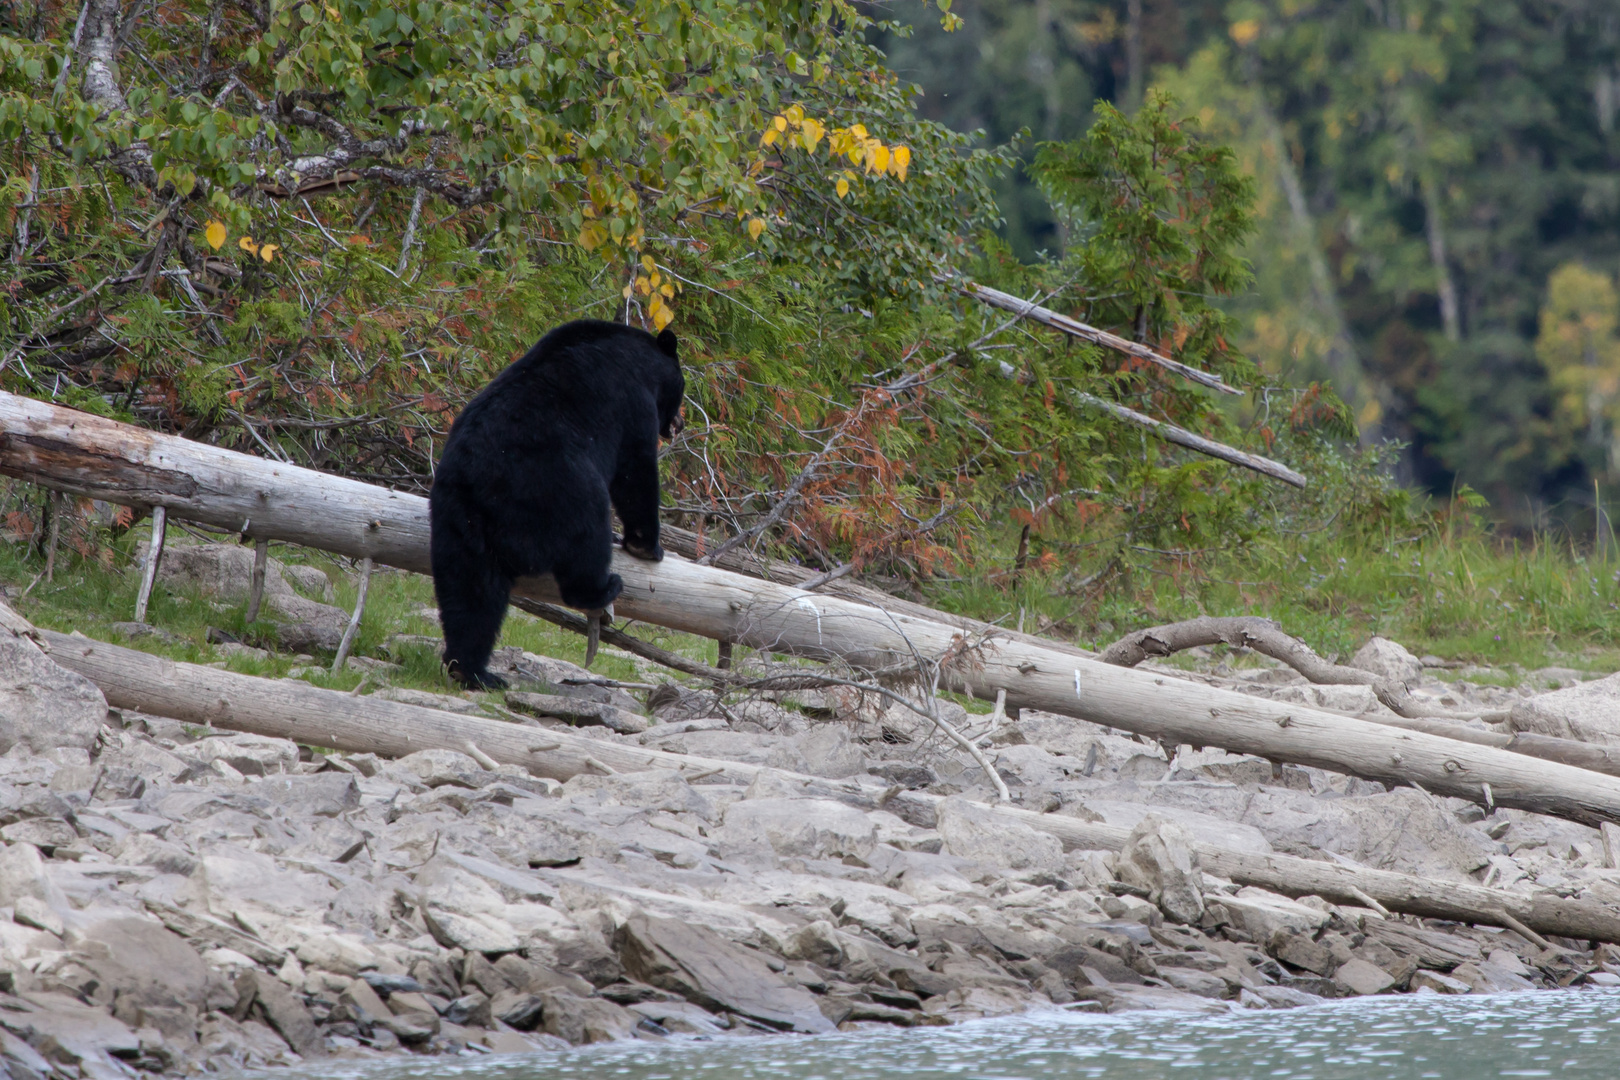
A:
[(90, 596), (1458, 593), (1454, 591)]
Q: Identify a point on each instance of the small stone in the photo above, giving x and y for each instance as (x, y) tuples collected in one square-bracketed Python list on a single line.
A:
[(1435, 982), (32, 911), (1360, 977), (1388, 660), (1299, 951), (585, 1020), (1488, 978)]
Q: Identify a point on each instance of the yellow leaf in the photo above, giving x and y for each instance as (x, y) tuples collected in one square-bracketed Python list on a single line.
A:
[(246, 244), (842, 187), (268, 251), (654, 279), (1245, 31), (628, 291), (662, 318), (769, 137), (643, 286), (755, 227), (668, 292), (877, 157), (795, 113), (810, 133), (779, 123), (590, 237), (858, 130), (215, 234), (900, 161), (655, 305), (648, 264)]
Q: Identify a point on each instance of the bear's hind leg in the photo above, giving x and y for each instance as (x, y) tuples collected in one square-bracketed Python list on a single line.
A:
[(472, 605), (584, 574)]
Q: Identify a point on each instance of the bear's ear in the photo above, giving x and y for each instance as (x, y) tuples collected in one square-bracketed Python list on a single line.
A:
[(666, 343)]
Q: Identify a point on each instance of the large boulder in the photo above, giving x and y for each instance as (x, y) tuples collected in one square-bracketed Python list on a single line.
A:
[(1589, 712), (1159, 857), (971, 831), (707, 970), (1388, 660), (225, 571), (42, 704), (807, 828)]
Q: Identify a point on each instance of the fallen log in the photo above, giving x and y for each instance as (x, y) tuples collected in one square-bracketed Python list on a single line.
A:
[(91, 456), (1193, 441), (1267, 638), (293, 709)]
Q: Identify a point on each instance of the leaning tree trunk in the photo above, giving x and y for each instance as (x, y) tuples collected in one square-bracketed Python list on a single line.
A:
[(292, 709), (89, 455)]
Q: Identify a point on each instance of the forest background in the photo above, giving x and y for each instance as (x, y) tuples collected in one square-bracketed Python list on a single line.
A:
[(312, 231)]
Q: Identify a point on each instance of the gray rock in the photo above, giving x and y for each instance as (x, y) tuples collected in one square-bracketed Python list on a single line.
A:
[(250, 755), (585, 1020), (1431, 949), (72, 1032), (807, 828), (971, 831), (42, 704), (1356, 976), (1121, 997), (829, 751), (145, 967), (1298, 950), (1423, 979), (225, 571), (1589, 712), (437, 767), (1388, 660), (1262, 914), (1485, 977), (325, 794), (708, 970), (285, 1012), (652, 789), (1159, 856)]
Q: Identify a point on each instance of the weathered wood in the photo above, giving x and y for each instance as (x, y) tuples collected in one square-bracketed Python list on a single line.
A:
[(352, 631), (293, 709), (154, 554), (1076, 328), (261, 559), (89, 455), (1193, 441)]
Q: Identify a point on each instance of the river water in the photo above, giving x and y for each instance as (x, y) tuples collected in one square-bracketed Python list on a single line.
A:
[(1554, 1034)]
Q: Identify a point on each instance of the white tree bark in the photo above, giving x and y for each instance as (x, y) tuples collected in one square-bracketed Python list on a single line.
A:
[(88, 455)]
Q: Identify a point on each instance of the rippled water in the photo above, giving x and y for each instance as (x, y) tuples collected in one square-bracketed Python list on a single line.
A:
[(1568, 1034)]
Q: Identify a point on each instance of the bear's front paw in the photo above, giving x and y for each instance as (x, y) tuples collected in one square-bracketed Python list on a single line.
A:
[(641, 550)]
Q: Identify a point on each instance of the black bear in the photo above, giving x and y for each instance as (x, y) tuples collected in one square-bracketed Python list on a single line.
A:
[(529, 471)]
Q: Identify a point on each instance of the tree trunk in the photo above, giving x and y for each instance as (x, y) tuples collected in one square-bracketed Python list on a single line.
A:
[(100, 458), (292, 709)]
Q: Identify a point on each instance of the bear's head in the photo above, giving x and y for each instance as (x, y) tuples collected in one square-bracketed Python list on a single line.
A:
[(670, 387)]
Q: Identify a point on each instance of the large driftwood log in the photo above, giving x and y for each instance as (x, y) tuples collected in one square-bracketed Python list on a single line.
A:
[(88, 455), (292, 709), (1269, 639)]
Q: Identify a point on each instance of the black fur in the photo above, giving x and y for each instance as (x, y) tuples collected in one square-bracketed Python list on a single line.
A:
[(529, 471)]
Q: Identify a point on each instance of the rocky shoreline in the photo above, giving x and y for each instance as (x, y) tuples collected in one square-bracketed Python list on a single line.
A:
[(178, 899)]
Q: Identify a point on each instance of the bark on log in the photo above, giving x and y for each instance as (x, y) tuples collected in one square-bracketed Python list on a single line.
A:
[(292, 709), (89, 455)]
